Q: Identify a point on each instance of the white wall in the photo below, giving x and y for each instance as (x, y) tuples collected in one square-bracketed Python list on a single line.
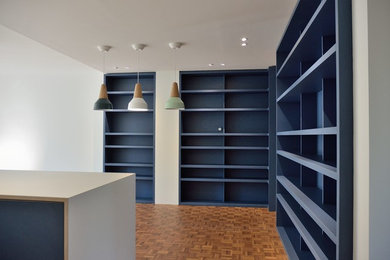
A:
[(167, 143), (371, 40), (361, 130), (379, 98), (46, 119)]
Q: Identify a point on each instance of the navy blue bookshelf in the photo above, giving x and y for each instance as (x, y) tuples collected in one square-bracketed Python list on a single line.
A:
[(314, 153), (225, 138), (129, 135)]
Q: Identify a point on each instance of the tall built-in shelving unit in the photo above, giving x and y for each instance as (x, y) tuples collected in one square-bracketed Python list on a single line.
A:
[(224, 138), (129, 135), (314, 131)]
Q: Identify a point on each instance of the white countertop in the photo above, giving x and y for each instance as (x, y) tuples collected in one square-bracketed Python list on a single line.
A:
[(56, 185)]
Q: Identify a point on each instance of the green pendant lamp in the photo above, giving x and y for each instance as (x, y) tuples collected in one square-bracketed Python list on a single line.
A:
[(103, 103), (174, 102), (138, 103)]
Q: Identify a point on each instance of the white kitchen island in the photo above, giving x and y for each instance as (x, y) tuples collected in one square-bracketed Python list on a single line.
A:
[(67, 215)]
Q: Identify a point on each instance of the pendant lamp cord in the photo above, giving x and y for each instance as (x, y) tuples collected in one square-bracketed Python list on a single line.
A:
[(104, 63), (138, 66), (174, 63)]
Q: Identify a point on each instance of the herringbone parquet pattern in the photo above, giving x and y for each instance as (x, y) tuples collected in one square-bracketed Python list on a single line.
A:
[(196, 232)]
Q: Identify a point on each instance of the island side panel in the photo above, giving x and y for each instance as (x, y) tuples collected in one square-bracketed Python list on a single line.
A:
[(101, 222), (31, 230)]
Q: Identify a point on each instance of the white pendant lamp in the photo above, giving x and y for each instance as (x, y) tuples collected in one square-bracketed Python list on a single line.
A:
[(137, 103), (174, 102), (103, 103)]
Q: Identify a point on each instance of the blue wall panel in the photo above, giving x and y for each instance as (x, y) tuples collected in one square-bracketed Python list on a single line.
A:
[(31, 230)]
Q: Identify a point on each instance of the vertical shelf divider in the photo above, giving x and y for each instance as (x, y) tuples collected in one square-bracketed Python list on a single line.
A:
[(272, 138)]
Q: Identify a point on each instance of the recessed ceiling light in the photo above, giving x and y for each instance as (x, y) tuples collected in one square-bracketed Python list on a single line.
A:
[(244, 39), (121, 68), (222, 64), (243, 44), (211, 64)]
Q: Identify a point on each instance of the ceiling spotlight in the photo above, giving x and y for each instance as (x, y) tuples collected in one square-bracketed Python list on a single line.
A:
[(243, 44), (211, 64), (244, 39), (222, 64), (175, 45)]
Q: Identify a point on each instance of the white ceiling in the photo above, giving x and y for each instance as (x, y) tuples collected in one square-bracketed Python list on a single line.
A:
[(210, 29)]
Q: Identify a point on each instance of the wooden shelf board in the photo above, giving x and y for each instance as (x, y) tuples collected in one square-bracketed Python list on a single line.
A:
[(310, 242), (129, 111), (225, 110), (245, 204), (314, 131), (320, 167), (130, 164), (315, 194), (126, 134), (324, 67), (224, 134), (129, 146), (224, 166), (224, 180), (224, 148), (326, 222), (210, 91), (288, 246)]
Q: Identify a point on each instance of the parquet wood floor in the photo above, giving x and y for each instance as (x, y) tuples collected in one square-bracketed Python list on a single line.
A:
[(199, 233)]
